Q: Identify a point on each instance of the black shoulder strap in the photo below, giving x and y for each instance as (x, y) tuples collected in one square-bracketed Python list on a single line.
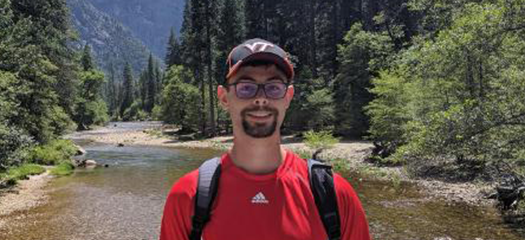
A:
[(323, 189), (209, 173)]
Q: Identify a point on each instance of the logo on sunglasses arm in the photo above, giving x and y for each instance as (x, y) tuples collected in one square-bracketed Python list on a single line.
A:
[(258, 46)]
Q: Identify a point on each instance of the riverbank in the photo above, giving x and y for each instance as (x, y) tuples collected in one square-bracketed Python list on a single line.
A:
[(354, 154), (26, 194)]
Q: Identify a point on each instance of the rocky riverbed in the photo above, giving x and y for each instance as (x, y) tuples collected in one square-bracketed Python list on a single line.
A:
[(354, 152)]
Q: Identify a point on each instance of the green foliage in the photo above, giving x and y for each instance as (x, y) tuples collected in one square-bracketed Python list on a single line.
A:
[(135, 113), (14, 145), (361, 56), (156, 113), (173, 53), (389, 111), (320, 105), (180, 99), (127, 91), (21, 172), (320, 140), (53, 153), (62, 169), (36, 61), (455, 101), (86, 60), (91, 109)]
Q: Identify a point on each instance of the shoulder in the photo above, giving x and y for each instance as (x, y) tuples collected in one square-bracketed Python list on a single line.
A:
[(185, 188), (344, 189)]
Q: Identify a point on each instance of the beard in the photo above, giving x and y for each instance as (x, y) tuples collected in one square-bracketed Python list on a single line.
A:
[(259, 130)]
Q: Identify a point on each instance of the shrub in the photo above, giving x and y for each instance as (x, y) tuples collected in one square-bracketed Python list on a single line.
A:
[(63, 169), (54, 152), (321, 139), (14, 145)]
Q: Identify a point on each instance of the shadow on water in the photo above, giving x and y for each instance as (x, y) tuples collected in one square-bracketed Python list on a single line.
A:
[(125, 201)]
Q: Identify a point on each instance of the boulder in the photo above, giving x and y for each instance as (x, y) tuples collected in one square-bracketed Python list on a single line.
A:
[(90, 163), (120, 145), (80, 151)]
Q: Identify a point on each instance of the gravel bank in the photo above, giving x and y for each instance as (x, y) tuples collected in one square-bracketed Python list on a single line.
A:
[(25, 195)]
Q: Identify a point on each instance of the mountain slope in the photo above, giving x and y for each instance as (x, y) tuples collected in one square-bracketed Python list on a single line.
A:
[(150, 21), (112, 43)]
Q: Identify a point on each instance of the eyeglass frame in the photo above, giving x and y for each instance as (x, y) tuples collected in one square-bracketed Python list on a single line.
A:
[(259, 87)]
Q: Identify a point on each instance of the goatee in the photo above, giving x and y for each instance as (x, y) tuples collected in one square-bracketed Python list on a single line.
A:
[(259, 130)]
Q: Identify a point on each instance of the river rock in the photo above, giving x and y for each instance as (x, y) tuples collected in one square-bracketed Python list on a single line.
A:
[(80, 151), (120, 145), (90, 163)]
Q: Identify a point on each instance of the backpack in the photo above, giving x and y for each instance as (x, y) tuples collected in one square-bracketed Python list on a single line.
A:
[(321, 183)]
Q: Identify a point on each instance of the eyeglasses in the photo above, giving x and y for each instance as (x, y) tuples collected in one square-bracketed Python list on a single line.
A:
[(248, 90)]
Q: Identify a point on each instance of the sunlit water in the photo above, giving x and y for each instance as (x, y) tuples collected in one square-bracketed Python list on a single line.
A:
[(125, 201)]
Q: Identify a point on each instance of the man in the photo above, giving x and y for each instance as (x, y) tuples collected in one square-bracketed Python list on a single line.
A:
[(264, 191)]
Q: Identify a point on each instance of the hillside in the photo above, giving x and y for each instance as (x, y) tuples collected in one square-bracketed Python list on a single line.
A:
[(112, 42), (149, 21)]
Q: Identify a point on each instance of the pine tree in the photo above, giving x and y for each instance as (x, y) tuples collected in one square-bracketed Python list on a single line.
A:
[(34, 46), (173, 53), (127, 89), (151, 85), (86, 60)]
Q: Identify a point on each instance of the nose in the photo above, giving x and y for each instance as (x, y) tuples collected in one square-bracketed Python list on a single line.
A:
[(260, 99)]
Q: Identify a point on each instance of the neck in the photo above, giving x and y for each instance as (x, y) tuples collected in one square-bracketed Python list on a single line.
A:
[(257, 155)]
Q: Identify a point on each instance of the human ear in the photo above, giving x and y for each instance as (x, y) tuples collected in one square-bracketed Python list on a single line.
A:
[(222, 95)]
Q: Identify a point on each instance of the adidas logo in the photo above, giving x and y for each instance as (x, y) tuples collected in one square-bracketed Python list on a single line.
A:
[(259, 198)]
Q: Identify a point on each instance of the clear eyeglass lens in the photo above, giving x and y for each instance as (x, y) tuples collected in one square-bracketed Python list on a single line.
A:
[(246, 90), (273, 90)]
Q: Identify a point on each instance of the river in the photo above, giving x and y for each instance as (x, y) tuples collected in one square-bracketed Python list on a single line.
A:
[(125, 201)]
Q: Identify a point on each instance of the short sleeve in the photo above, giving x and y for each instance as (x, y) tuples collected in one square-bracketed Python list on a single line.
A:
[(354, 225), (178, 209)]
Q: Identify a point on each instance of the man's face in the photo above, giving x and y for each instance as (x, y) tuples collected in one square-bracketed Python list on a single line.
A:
[(260, 116)]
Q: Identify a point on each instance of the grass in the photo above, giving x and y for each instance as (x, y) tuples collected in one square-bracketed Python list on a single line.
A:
[(62, 169), (22, 172), (54, 152)]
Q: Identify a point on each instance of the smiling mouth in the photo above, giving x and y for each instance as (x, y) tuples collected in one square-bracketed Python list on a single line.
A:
[(259, 115)]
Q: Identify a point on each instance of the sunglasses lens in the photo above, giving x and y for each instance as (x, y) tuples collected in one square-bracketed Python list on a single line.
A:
[(246, 90), (275, 90)]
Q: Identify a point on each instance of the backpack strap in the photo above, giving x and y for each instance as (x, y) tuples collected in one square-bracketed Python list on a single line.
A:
[(323, 189), (321, 182), (209, 173)]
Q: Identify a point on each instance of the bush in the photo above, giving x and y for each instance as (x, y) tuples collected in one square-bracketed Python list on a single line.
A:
[(135, 112), (14, 145), (321, 139), (54, 152), (63, 169)]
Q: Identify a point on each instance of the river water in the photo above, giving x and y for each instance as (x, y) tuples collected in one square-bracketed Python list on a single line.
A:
[(125, 201)]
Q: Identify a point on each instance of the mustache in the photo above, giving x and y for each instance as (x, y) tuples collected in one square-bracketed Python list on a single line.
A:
[(259, 108)]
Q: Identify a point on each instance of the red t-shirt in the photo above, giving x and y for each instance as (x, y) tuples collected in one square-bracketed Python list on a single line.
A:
[(274, 206)]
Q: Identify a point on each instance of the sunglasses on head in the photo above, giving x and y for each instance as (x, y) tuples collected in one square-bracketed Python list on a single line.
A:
[(248, 90)]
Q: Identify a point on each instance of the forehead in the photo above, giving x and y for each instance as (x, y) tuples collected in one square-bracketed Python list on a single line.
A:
[(259, 73)]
